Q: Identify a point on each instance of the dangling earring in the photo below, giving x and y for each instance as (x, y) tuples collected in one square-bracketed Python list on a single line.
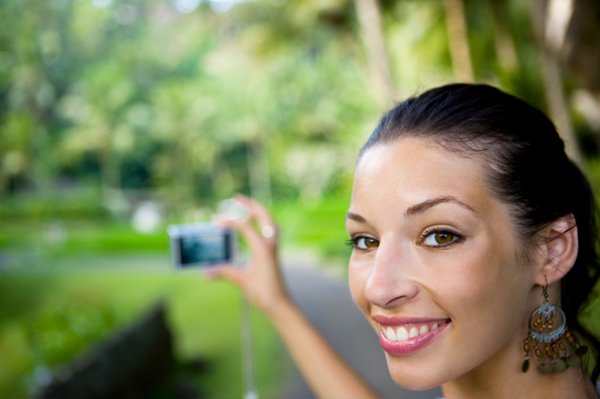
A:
[(552, 344)]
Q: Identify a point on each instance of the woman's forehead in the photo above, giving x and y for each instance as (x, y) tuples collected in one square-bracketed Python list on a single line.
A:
[(416, 154), (414, 169)]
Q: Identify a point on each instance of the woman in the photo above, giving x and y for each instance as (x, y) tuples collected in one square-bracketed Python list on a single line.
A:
[(471, 230)]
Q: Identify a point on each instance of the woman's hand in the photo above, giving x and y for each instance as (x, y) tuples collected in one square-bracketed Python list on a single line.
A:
[(261, 280)]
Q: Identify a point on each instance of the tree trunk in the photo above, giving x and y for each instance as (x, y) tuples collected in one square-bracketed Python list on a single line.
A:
[(581, 55), (505, 46), (552, 75), (369, 18), (258, 172), (458, 40)]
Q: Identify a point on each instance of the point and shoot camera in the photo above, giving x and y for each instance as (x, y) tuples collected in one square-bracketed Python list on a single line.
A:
[(205, 244), (201, 244)]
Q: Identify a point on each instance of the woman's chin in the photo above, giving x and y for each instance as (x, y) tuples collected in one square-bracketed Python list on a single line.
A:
[(406, 378), (415, 384)]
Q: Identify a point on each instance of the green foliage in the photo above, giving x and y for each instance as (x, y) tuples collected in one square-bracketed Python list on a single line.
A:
[(81, 203), (193, 105), (141, 95), (593, 173), (186, 102), (65, 329)]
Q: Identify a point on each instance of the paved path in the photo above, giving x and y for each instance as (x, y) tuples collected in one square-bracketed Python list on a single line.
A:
[(326, 301)]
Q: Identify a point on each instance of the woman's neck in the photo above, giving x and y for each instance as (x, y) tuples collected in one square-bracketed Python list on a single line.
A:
[(500, 377), (573, 383)]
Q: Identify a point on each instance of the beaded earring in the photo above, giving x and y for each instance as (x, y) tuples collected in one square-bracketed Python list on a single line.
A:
[(552, 344)]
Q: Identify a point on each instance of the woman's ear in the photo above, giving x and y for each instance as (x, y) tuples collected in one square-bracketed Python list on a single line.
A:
[(558, 248)]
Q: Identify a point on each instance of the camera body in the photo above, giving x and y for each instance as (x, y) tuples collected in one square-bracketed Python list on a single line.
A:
[(201, 245)]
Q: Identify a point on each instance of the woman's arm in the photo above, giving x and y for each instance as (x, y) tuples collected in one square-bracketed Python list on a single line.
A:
[(326, 372), (261, 282)]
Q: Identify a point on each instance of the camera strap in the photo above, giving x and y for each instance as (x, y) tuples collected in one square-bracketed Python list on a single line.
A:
[(250, 391)]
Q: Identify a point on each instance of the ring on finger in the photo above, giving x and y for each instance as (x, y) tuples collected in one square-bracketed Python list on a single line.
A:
[(268, 231)]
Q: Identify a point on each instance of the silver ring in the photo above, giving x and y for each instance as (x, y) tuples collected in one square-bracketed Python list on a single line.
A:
[(268, 231)]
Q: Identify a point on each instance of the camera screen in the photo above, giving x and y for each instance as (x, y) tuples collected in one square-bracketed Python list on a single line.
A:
[(202, 246), (205, 248)]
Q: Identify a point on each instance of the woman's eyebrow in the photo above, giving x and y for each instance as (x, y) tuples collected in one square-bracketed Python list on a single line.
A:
[(356, 217), (418, 208), (430, 203)]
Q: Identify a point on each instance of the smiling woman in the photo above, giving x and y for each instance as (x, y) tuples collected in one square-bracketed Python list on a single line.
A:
[(474, 245), (447, 255)]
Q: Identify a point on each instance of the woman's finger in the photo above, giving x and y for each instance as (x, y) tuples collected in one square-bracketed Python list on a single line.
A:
[(254, 239), (267, 226), (261, 214)]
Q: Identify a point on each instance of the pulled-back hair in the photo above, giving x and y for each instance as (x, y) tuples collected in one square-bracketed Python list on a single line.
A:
[(526, 167)]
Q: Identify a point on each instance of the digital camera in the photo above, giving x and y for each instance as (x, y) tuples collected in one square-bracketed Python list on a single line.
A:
[(201, 244)]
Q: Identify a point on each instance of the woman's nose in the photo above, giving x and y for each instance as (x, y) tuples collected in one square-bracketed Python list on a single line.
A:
[(389, 281)]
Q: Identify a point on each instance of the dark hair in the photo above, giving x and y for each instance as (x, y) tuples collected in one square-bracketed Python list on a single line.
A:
[(527, 167)]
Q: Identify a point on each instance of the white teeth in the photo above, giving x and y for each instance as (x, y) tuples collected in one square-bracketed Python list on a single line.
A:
[(402, 333), (413, 332), (390, 334)]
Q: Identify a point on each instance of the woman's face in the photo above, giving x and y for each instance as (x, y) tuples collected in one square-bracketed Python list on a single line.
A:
[(435, 268)]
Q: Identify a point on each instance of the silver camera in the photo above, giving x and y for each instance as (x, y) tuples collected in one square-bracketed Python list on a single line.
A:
[(201, 244)]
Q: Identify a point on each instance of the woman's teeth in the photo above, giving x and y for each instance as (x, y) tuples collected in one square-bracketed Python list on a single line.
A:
[(402, 333)]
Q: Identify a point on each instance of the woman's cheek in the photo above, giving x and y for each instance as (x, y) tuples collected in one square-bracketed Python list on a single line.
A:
[(358, 272)]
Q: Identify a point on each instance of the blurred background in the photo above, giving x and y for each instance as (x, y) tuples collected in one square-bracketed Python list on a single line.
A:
[(120, 117)]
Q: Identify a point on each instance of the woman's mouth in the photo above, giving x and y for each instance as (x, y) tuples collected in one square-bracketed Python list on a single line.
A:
[(404, 337)]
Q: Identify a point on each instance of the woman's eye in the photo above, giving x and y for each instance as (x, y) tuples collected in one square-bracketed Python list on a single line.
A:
[(440, 238), (364, 243)]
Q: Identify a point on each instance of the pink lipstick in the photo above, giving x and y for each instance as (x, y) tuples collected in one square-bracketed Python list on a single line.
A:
[(401, 336)]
